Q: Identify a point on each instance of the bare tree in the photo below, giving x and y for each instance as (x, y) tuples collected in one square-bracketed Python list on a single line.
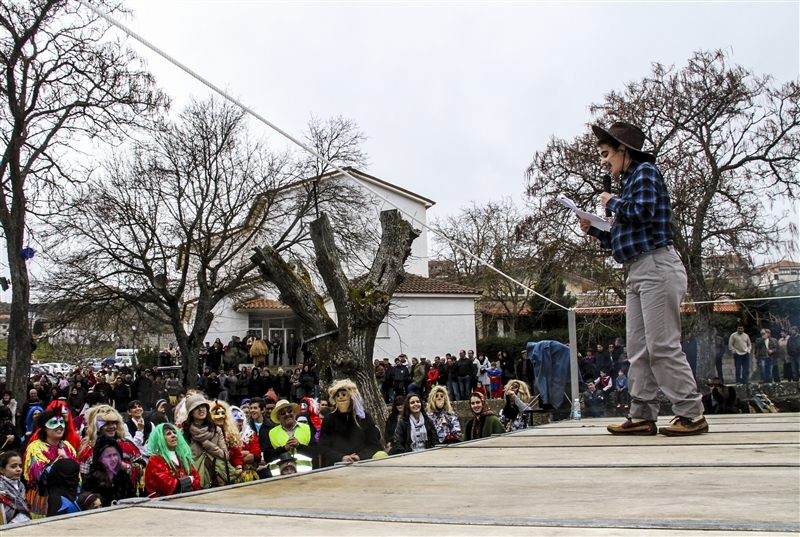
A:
[(490, 232), (63, 81), (346, 345), (728, 143), (168, 227)]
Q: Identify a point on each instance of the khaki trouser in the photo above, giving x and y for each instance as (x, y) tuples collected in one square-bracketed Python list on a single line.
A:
[(656, 286)]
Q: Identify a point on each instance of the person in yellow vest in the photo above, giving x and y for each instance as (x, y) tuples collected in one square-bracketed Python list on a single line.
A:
[(290, 436)]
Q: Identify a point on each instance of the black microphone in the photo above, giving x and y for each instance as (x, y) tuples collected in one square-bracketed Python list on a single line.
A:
[(607, 188)]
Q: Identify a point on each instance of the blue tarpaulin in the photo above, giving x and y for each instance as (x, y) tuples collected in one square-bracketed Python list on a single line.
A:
[(550, 361)]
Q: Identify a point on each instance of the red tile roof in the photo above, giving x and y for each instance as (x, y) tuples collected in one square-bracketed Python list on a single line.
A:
[(261, 304), (419, 284), (413, 284)]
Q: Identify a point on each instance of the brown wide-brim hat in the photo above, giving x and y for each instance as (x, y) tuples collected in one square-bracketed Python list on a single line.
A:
[(628, 135)]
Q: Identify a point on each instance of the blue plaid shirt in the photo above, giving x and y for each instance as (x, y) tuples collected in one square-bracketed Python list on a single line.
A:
[(643, 214)]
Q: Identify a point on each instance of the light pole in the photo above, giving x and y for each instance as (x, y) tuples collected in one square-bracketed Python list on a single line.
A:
[(133, 343)]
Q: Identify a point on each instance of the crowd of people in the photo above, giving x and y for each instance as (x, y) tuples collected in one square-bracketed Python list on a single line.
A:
[(91, 439)]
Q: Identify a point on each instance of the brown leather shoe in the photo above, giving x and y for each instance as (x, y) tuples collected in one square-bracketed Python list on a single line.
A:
[(642, 428), (680, 426)]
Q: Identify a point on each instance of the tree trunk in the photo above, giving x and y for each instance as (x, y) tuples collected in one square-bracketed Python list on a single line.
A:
[(19, 330), (360, 306)]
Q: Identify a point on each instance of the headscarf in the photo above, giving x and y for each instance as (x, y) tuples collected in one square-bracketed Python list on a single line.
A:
[(477, 421)]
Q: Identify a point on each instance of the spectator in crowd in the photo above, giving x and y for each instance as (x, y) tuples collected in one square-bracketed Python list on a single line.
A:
[(258, 353), (348, 433), (495, 375), (483, 372), (8, 437), (602, 359), (415, 431), (452, 378), (103, 420), (594, 400), (507, 365), (764, 349), (689, 348), (44, 449), (138, 427), (719, 352), (392, 419), (483, 423), (292, 347), (448, 427), (207, 442), (106, 476), (464, 368), (782, 357), (721, 399), (251, 448), (13, 507), (170, 469), (10, 403), (740, 346), (605, 384), (222, 416), (387, 386), (402, 375), (260, 409), (417, 377), (621, 385), (793, 350), (30, 424), (525, 370), (518, 399), (587, 366), (289, 435)]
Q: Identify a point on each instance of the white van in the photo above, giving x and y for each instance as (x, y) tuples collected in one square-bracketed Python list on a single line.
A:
[(125, 357)]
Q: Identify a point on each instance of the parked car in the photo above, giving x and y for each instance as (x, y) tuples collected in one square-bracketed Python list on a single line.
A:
[(125, 357)]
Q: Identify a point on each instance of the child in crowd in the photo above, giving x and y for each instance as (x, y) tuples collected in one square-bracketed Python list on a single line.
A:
[(495, 381), (89, 500), (621, 383), (605, 383), (13, 507)]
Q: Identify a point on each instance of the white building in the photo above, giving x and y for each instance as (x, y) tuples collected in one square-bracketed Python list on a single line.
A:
[(427, 316)]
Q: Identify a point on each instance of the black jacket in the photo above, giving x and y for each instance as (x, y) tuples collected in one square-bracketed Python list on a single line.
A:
[(402, 435), (341, 435)]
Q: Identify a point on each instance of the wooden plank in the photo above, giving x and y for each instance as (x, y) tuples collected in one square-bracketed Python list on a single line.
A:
[(604, 456), (147, 522), (605, 439), (557, 492)]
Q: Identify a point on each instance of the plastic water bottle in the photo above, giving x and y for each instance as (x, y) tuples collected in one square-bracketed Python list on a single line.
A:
[(576, 410)]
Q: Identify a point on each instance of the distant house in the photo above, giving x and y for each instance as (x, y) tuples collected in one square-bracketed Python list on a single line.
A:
[(778, 274), (427, 316)]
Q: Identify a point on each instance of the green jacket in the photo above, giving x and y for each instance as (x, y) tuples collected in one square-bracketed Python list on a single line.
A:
[(491, 425)]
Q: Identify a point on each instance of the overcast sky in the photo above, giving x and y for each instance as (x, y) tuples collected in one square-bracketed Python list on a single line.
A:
[(455, 97)]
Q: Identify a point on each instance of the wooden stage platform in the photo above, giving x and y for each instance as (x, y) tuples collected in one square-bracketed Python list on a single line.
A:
[(562, 479)]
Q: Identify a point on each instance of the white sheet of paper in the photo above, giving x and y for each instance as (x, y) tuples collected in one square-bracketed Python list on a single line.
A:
[(598, 222)]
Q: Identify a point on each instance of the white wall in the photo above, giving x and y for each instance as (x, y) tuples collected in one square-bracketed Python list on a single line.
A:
[(227, 322), (429, 325)]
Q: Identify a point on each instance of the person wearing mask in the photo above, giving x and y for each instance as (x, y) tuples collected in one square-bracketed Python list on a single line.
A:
[(348, 433)]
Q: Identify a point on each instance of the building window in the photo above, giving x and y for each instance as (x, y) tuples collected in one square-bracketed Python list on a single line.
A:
[(383, 330)]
